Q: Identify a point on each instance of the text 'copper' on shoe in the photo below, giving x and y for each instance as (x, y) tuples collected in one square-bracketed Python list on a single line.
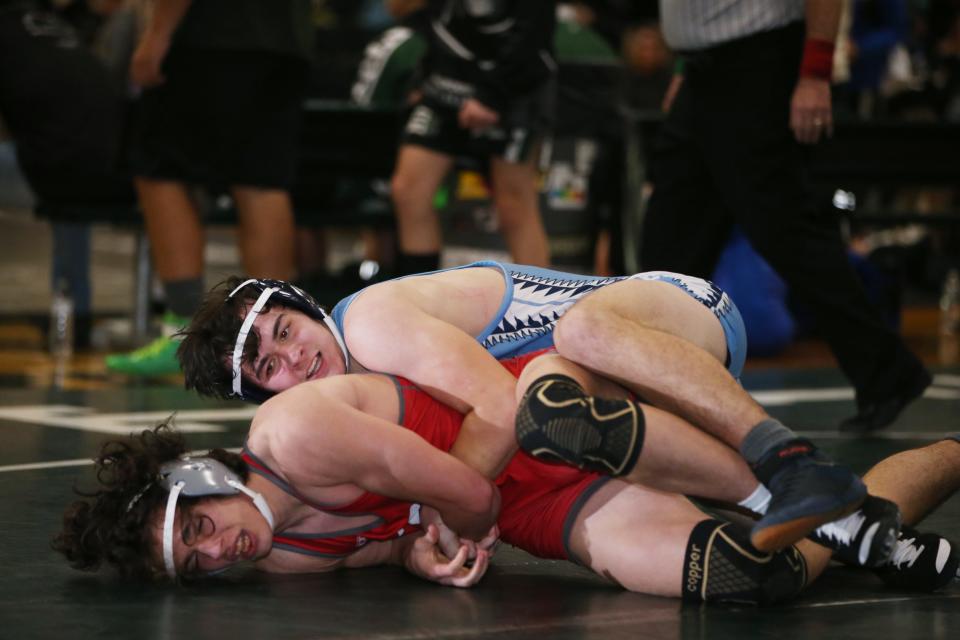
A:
[(867, 537)]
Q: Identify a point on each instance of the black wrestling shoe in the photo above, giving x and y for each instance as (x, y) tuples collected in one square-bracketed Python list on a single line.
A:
[(866, 537), (806, 490), (558, 422), (920, 562), (881, 412)]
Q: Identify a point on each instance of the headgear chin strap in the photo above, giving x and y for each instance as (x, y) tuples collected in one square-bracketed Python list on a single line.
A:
[(291, 296), (197, 477)]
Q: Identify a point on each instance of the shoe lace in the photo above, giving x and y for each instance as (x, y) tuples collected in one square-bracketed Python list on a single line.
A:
[(906, 552), (844, 530)]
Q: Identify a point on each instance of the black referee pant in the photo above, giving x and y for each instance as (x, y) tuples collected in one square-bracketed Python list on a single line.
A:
[(726, 156)]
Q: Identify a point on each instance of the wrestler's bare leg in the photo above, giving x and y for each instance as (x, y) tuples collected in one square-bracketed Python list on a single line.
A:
[(918, 480), (675, 456), (664, 345), (638, 537)]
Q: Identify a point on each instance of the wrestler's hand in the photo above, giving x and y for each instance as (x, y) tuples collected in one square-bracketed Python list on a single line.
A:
[(450, 542), (145, 66), (490, 541), (424, 559), (475, 115), (811, 117)]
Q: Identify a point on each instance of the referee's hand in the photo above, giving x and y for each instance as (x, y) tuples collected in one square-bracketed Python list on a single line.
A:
[(811, 117)]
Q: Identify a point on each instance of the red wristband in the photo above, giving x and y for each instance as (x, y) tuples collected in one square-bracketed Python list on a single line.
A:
[(817, 59)]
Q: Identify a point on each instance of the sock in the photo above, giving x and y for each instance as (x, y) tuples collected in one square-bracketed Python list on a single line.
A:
[(410, 263), (184, 296), (763, 438), (758, 501)]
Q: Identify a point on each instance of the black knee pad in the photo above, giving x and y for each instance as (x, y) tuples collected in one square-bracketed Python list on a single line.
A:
[(558, 421), (722, 566)]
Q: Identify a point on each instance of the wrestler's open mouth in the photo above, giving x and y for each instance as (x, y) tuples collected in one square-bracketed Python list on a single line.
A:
[(314, 366), (244, 548)]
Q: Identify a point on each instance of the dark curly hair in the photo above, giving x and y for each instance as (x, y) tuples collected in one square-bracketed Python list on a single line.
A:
[(103, 528), (209, 339)]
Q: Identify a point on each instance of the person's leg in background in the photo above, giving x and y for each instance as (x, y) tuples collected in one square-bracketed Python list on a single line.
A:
[(221, 118), (176, 244), (518, 211), (684, 226), (759, 169), (262, 161), (171, 144), (684, 230), (267, 245), (418, 174), (515, 149)]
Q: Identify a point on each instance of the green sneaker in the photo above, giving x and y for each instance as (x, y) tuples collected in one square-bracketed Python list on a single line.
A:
[(158, 358)]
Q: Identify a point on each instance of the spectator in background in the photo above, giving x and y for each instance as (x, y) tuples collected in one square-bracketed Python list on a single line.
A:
[(755, 87), (486, 91), (870, 32), (648, 61), (65, 115), (222, 85), (614, 19), (943, 19)]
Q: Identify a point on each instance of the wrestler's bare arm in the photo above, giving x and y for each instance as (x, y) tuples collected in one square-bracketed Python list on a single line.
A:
[(317, 436), (403, 338), (418, 553)]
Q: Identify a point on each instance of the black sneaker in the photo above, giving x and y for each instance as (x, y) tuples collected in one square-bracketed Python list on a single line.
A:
[(807, 490), (866, 537), (920, 562), (881, 412)]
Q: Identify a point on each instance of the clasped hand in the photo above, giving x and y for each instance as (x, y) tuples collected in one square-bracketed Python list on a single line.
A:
[(428, 561)]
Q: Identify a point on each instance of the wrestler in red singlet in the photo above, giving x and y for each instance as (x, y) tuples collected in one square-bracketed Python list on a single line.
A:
[(539, 501)]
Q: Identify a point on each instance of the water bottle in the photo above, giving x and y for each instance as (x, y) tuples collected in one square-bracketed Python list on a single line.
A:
[(61, 321), (950, 304), (948, 347)]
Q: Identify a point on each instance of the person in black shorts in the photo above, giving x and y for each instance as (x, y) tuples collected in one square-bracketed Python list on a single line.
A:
[(486, 92), (222, 84)]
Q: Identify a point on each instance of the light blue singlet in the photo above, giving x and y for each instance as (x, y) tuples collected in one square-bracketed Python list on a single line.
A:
[(535, 298)]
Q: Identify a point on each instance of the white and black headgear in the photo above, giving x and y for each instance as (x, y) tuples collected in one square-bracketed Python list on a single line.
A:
[(194, 478), (290, 296)]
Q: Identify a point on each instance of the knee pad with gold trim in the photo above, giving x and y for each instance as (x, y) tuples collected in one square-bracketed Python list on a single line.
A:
[(721, 565)]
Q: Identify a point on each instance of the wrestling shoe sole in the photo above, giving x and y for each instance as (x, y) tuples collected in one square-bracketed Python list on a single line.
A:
[(778, 535)]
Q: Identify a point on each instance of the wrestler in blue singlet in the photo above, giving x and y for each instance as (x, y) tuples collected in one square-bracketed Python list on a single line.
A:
[(535, 299)]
